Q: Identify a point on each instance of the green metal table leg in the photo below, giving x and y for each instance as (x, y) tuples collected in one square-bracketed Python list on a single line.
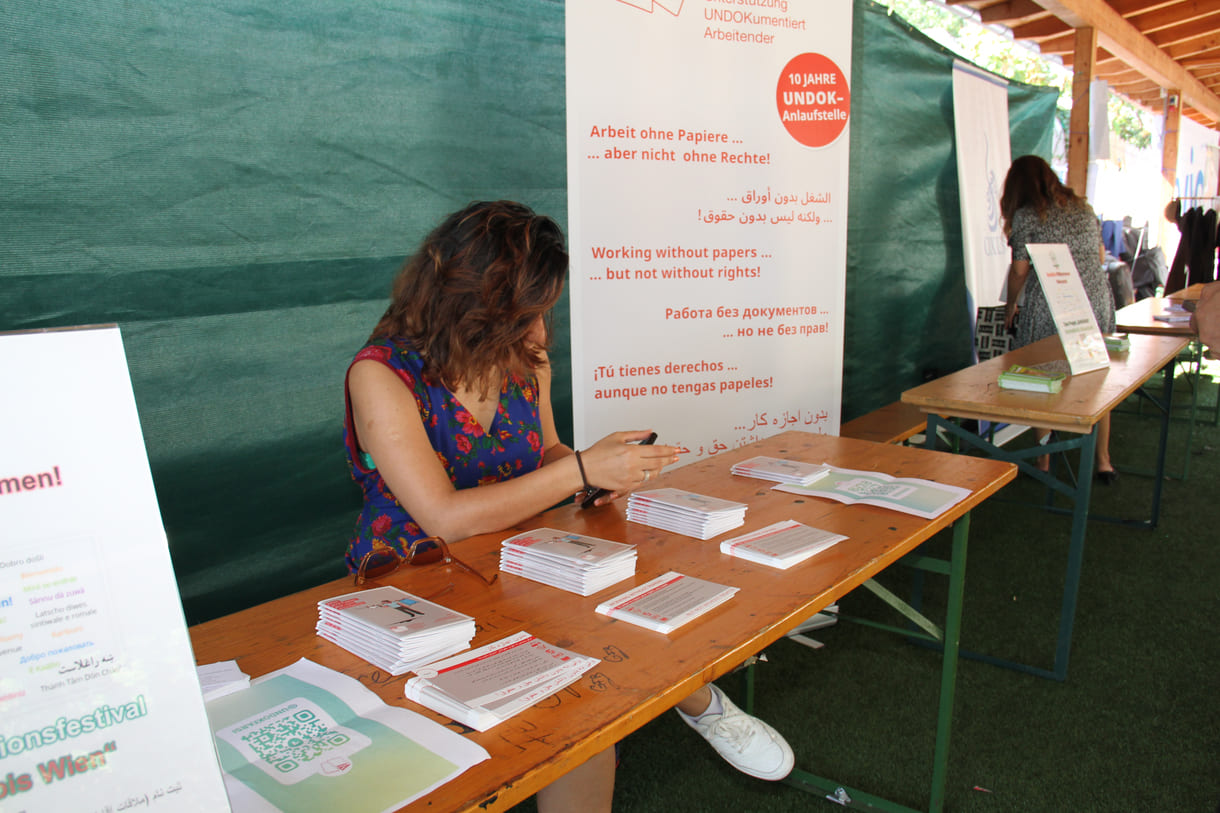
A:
[(948, 668), (1071, 579), (1079, 494), (946, 640)]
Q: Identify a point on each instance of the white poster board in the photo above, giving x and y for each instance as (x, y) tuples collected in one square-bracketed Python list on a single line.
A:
[(100, 706), (1079, 332), (707, 217), (980, 127)]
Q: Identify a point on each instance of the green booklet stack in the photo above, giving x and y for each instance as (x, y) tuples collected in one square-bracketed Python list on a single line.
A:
[(1117, 342), (1033, 379)]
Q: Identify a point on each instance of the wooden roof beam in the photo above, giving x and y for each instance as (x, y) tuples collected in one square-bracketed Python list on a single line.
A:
[(1129, 8), (1010, 12), (1044, 28), (1189, 47), (1124, 40), (1180, 14)]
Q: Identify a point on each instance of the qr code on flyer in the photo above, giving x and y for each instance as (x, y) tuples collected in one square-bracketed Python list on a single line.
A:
[(860, 487), (294, 741)]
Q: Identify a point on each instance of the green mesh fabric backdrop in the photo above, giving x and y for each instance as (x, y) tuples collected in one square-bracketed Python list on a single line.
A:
[(236, 183), (907, 318)]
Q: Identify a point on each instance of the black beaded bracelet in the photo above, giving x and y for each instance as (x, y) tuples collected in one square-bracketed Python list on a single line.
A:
[(581, 466)]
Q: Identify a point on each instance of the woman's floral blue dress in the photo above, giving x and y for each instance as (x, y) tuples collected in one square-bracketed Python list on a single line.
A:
[(472, 454)]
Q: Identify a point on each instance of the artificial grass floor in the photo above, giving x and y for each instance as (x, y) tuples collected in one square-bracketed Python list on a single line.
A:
[(1135, 727)]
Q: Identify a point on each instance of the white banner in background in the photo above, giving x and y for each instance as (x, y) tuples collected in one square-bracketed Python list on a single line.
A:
[(100, 705), (980, 123), (707, 189)]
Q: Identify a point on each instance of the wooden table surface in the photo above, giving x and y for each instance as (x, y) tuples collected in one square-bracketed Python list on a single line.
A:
[(1189, 292), (1140, 317), (975, 392), (642, 673)]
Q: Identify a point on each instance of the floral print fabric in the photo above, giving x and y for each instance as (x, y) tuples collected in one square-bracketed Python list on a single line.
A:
[(472, 454)]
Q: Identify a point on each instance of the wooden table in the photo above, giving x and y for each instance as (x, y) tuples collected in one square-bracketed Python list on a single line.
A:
[(642, 673), (1140, 317), (1190, 292), (973, 393)]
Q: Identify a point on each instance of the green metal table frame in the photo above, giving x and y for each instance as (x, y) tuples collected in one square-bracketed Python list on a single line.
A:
[(1078, 489), (946, 639), (1192, 360)]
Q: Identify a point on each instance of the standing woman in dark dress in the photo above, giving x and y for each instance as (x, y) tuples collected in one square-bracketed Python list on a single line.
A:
[(1038, 208)]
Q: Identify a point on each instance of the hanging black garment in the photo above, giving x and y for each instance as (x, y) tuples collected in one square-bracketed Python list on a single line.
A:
[(1201, 265), (1187, 223)]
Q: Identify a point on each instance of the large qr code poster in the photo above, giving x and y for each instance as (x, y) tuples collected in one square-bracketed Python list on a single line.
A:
[(294, 741), (306, 738)]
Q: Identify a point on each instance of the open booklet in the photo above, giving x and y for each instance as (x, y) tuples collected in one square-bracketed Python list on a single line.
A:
[(911, 495)]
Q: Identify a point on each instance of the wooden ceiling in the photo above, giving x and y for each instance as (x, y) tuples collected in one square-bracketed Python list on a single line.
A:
[(1145, 48)]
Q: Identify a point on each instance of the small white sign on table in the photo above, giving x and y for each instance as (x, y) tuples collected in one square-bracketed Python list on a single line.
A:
[(1083, 343), (100, 705)]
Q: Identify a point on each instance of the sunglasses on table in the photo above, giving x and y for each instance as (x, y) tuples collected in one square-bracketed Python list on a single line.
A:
[(383, 560)]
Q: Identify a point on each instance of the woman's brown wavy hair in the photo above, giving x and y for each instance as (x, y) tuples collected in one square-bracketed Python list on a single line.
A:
[(1032, 182), (467, 298)]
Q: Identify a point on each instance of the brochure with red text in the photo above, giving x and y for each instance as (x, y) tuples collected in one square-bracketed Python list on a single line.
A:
[(574, 562), (667, 602), (392, 629), (685, 512), (781, 545), (484, 687), (778, 470)]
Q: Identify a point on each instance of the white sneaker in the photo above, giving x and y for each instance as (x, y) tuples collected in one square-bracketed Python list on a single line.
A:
[(747, 743)]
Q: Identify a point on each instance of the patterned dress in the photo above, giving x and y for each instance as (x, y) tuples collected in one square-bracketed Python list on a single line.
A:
[(1080, 230), (472, 455)]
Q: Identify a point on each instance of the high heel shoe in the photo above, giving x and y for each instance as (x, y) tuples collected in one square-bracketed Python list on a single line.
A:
[(1108, 478)]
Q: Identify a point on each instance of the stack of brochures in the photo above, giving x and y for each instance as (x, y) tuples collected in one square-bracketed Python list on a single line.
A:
[(667, 602), (573, 562), (485, 686), (779, 470), (1173, 312), (1117, 342), (1032, 379), (685, 512), (781, 545), (392, 629)]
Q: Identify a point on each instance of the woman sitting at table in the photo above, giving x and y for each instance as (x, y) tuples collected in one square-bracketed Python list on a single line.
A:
[(450, 432), (1037, 208)]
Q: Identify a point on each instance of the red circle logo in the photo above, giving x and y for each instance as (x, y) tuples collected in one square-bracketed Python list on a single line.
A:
[(813, 99)]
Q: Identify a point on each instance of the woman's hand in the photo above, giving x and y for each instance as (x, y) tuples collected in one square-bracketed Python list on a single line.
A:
[(1010, 315), (619, 463)]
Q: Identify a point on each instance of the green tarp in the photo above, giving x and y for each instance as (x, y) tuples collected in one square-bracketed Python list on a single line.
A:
[(236, 183)]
